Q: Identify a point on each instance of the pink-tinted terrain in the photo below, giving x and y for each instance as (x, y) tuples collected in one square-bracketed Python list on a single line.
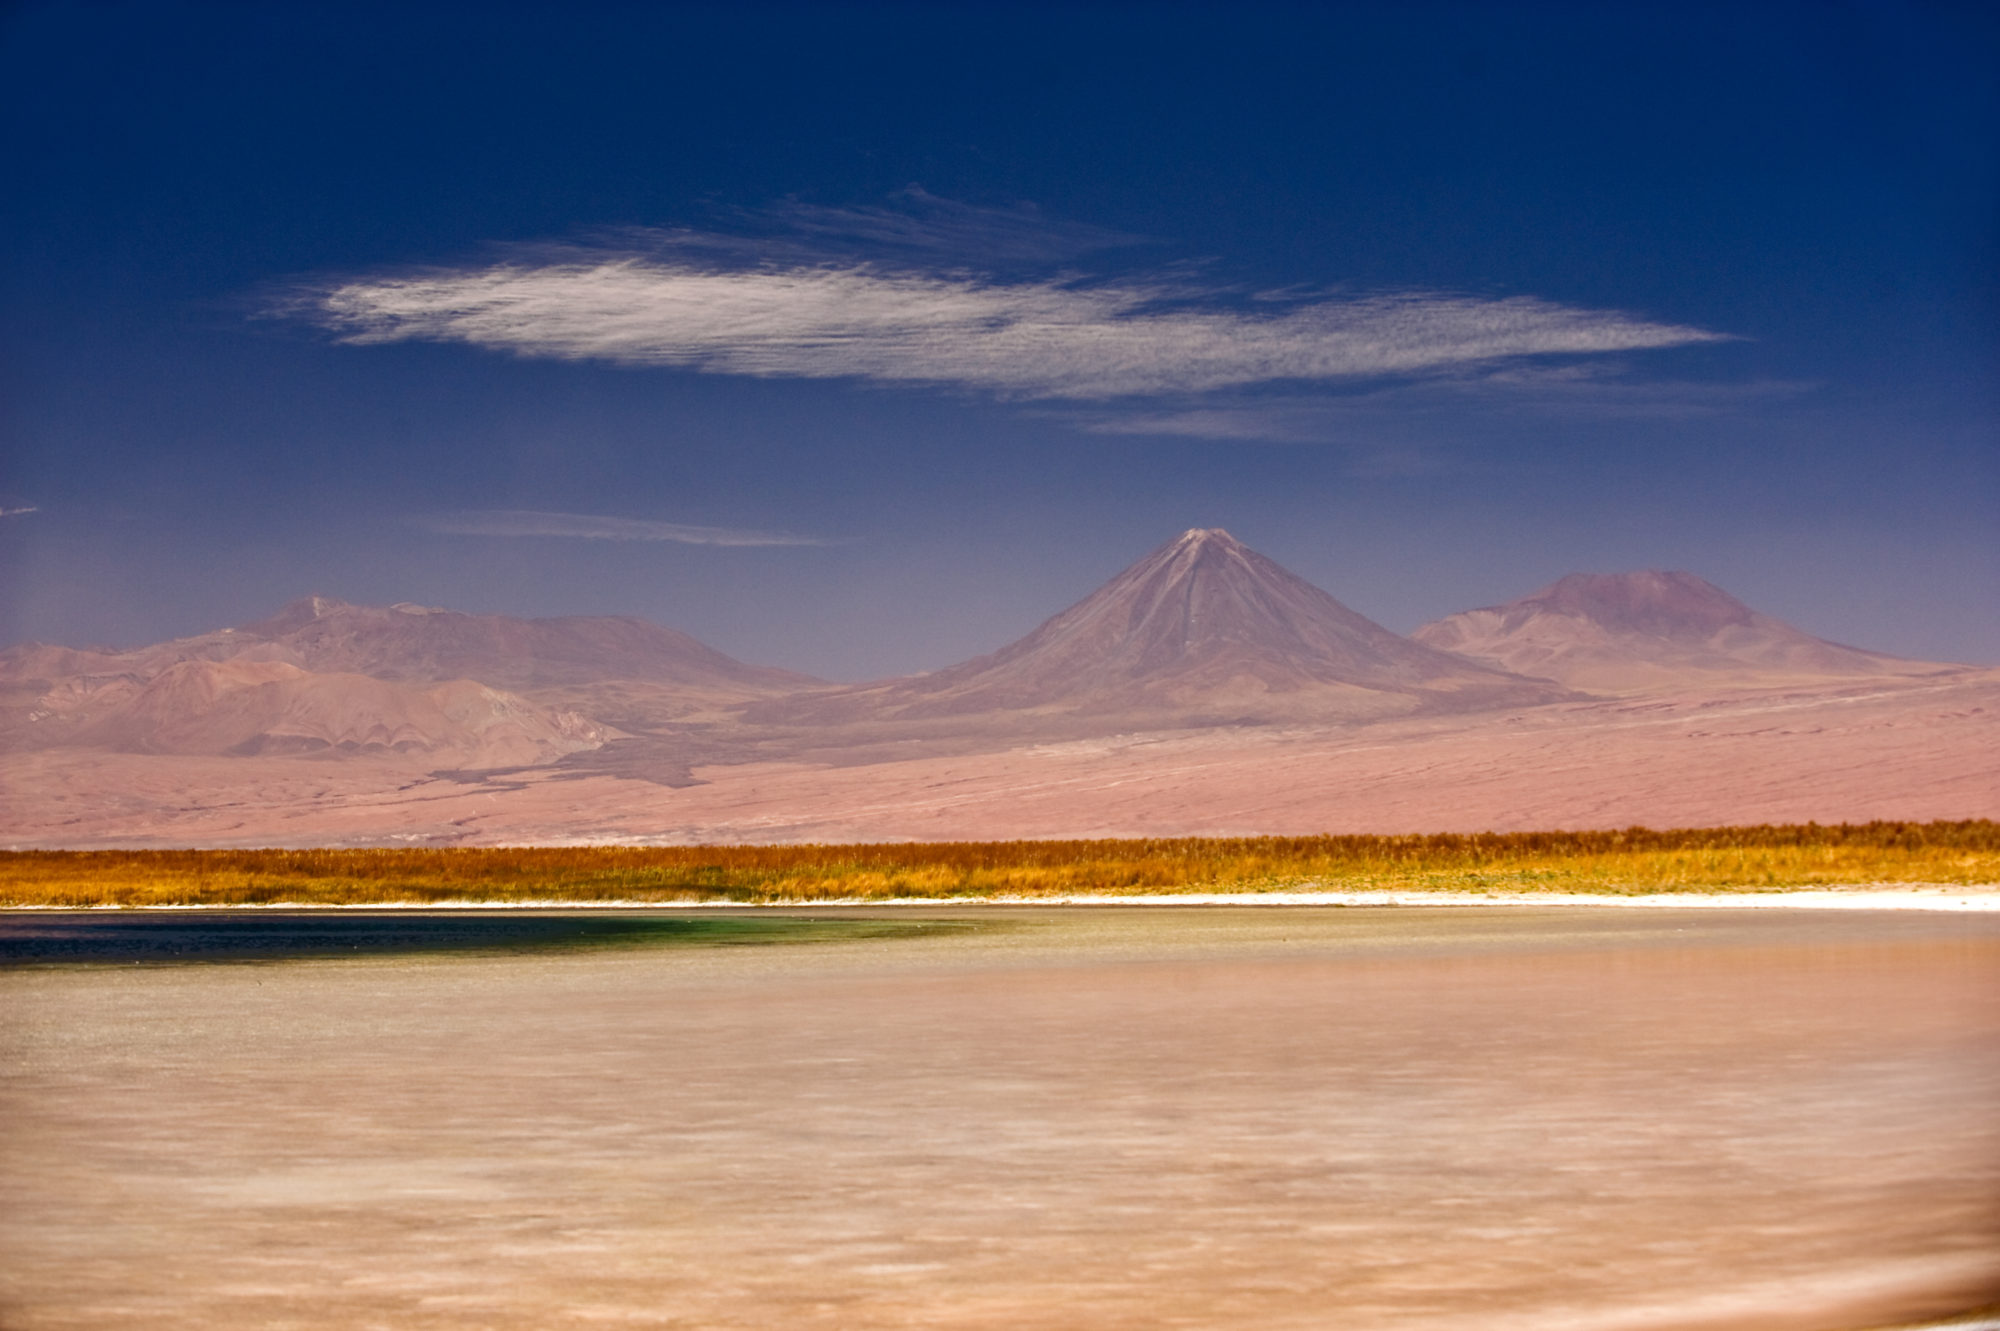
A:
[(1204, 689), (1633, 632)]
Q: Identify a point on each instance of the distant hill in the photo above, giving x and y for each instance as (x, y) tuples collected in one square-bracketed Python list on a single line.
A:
[(1203, 631), (251, 708), (365, 678), (424, 643), (1631, 632)]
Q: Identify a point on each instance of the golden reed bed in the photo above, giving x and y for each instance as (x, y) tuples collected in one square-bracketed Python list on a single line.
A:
[(1632, 861)]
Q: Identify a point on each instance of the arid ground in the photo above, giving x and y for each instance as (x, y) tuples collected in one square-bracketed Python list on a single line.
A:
[(1118, 1118), (1873, 750)]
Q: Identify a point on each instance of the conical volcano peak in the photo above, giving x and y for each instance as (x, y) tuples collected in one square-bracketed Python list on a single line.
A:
[(1198, 545), (1202, 627), (1205, 609)]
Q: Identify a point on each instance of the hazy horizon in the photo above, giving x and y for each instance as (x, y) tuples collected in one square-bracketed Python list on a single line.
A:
[(524, 517), (860, 341)]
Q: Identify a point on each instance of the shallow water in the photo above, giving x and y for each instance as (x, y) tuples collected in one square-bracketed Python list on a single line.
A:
[(173, 937), (1097, 1117)]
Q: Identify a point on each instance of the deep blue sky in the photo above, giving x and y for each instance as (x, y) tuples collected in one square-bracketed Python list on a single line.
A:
[(1433, 305)]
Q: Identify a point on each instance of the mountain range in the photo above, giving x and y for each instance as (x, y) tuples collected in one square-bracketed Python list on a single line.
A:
[(1204, 688), (325, 676), (1203, 632)]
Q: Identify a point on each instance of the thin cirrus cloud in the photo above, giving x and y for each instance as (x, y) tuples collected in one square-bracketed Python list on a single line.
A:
[(1569, 392), (799, 306), (17, 512), (916, 224), (591, 527)]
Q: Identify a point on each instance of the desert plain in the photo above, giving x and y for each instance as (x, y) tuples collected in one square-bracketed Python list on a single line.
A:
[(1921, 750)]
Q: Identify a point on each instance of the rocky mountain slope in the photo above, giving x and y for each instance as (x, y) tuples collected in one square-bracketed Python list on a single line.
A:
[(251, 708), (425, 643)]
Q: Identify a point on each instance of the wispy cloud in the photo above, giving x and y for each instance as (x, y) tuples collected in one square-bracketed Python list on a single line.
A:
[(888, 296), (1572, 393), (1045, 339), (591, 527), (919, 223), (17, 512)]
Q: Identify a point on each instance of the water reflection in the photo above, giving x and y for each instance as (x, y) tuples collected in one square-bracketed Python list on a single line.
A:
[(71, 937)]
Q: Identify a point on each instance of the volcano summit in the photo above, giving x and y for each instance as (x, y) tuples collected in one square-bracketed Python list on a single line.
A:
[(1203, 631)]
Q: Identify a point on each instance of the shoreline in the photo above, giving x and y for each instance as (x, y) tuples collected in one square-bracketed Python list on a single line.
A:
[(1932, 897)]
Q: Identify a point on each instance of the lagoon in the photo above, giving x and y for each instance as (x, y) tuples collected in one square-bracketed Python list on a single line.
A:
[(1032, 1117)]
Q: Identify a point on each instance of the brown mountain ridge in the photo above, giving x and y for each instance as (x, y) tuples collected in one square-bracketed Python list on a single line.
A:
[(253, 708), (417, 642), (1201, 633), (325, 676), (1632, 632)]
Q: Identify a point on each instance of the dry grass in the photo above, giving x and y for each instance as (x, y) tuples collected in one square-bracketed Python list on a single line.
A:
[(1635, 860)]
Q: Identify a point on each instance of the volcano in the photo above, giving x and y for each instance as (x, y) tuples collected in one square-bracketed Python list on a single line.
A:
[(1203, 631), (1635, 632)]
